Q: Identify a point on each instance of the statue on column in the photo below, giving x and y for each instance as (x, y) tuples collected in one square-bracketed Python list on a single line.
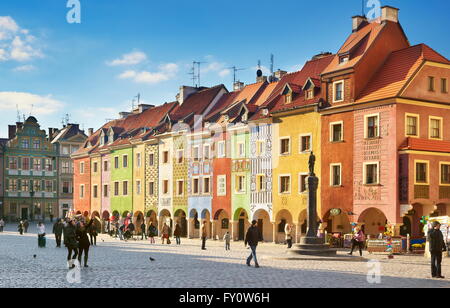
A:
[(312, 163)]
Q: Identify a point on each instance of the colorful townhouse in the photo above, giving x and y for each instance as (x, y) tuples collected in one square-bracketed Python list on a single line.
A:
[(3, 142), (30, 173)]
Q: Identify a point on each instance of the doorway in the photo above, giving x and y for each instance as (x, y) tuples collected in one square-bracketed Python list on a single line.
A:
[(241, 229), (24, 213)]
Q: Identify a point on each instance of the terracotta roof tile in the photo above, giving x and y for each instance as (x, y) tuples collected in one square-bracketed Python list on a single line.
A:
[(426, 145)]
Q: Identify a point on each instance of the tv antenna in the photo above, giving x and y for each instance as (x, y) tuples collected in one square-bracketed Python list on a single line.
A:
[(235, 70), (272, 61), (136, 98), (197, 77), (18, 113)]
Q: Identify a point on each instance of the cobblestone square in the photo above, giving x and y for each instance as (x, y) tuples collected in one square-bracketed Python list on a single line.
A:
[(126, 264)]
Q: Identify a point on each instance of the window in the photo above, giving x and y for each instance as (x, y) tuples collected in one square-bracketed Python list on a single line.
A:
[(105, 191), (180, 187), (116, 162), (241, 149), (74, 148), (435, 128), (65, 187), (65, 167), (343, 59), (65, 150), (221, 149), (338, 89), (336, 175), (431, 83), (206, 185), (165, 187), (25, 185), (151, 188), (165, 157), (372, 126), (288, 98), (195, 186), (81, 191), (285, 146), (445, 174), (285, 184), (302, 182), (412, 125), (151, 159), (125, 161), (337, 132), (48, 164), (13, 185), (206, 151), (125, 188), (81, 168), (95, 191), (221, 185), (444, 86), (260, 148), (138, 187), (95, 167), (25, 163), (371, 174), (138, 160), (240, 184), (305, 143), (37, 186), (105, 166), (36, 144), (421, 172), (180, 156), (116, 188), (25, 143), (13, 163), (196, 153), (260, 183), (37, 164), (310, 94)]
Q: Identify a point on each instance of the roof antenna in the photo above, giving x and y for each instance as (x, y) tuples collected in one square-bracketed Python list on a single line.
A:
[(235, 70), (18, 113), (198, 71)]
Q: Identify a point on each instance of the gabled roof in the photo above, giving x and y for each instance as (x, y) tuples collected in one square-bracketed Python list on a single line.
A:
[(71, 130), (397, 71)]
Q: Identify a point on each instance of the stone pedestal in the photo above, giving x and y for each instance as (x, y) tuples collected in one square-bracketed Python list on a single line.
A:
[(311, 244)]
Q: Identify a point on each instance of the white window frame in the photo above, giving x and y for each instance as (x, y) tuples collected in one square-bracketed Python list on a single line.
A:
[(195, 178), (116, 193), (219, 179), (334, 91), (221, 149), (138, 160), (138, 187), (301, 143), (280, 146), (366, 123), (82, 191), (203, 185), (263, 180), (178, 188), (239, 153), (168, 157), (182, 156), (123, 191), (123, 161), (244, 186), (260, 148), (150, 193), (332, 173), (116, 160), (206, 146), (332, 124), (168, 187), (196, 150), (300, 182), (365, 164), (279, 184)]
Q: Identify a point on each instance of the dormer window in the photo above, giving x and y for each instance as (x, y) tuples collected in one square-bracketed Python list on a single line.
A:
[(310, 94), (244, 117), (288, 98), (343, 59)]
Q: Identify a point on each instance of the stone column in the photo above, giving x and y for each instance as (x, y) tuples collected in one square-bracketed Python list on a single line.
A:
[(189, 228), (213, 230), (233, 230), (274, 232), (297, 232), (311, 234)]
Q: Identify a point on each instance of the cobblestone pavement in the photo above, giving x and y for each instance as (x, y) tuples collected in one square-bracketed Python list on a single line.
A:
[(126, 264)]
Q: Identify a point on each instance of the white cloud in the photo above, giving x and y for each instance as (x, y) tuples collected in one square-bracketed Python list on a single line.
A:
[(225, 72), (41, 105), (16, 44), (129, 59), (166, 72), (24, 68)]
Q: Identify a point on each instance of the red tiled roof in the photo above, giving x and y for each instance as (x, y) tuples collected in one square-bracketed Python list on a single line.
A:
[(266, 93), (397, 71), (225, 101), (426, 145)]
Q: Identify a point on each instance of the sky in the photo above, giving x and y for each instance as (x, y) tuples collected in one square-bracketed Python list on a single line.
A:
[(94, 69)]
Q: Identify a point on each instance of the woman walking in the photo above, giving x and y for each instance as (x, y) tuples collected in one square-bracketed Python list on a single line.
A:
[(70, 241), (41, 235), (288, 232), (20, 228), (165, 234), (83, 241), (358, 241), (152, 233), (177, 233), (93, 234)]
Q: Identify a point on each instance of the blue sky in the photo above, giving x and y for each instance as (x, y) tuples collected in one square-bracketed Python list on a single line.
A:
[(94, 69)]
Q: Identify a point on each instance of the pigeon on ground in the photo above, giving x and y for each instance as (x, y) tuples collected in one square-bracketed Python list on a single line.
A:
[(34, 256), (151, 259)]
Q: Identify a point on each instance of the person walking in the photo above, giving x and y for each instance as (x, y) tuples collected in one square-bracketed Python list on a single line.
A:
[(288, 232), (251, 239), (204, 235), (177, 233), (2, 225), (358, 241), (143, 229), (26, 224), (131, 228), (152, 232), (121, 231), (165, 234), (93, 234), (227, 240), (437, 247), (57, 231), (83, 241), (41, 235), (71, 243), (20, 227)]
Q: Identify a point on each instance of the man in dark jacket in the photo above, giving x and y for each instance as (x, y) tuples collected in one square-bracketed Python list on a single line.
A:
[(437, 246), (251, 239), (58, 230)]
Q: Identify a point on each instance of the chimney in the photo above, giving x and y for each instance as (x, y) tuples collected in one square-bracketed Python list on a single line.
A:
[(124, 114), (358, 22), (321, 55), (90, 132), (279, 74), (185, 92), (238, 86), (11, 131), (50, 133), (389, 13)]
